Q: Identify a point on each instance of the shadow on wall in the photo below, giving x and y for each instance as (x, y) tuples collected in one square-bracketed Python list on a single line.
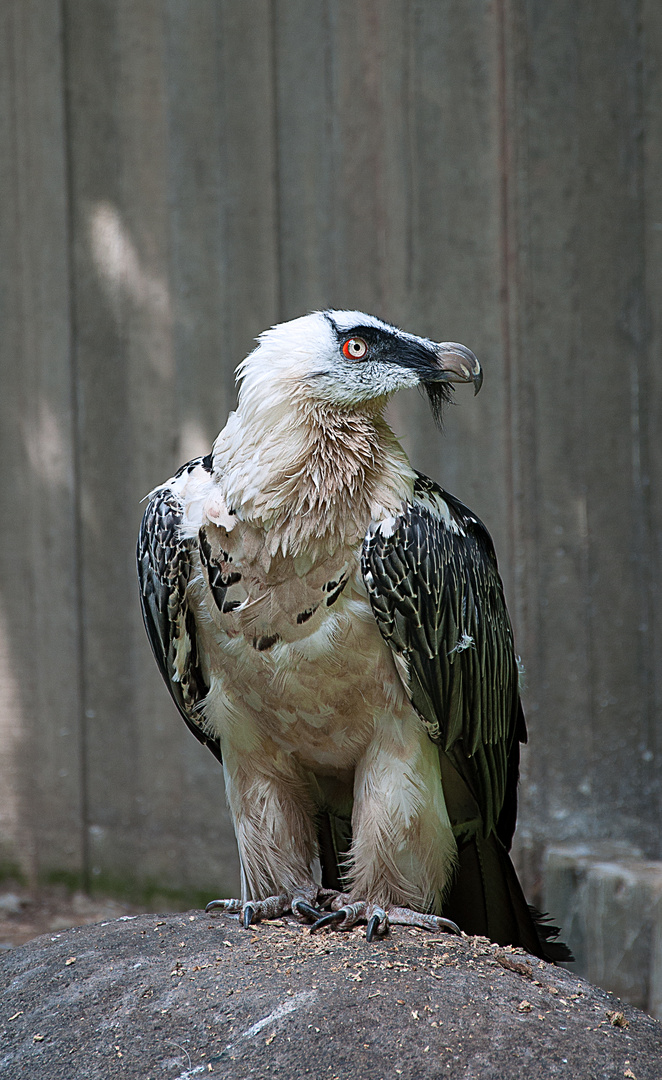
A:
[(101, 783)]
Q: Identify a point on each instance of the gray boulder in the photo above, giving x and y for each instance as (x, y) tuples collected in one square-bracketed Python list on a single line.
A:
[(187, 995)]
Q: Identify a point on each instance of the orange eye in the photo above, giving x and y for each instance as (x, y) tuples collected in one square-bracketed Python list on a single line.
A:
[(355, 348)]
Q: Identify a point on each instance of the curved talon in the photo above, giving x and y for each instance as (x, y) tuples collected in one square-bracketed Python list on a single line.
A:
[(302, 907), (448, 924), (328, 920), (373, 927), (216, 904), (249, 912)]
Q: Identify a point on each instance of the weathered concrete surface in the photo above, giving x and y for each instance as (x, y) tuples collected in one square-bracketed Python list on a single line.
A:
[(182, 996), (609, 903)]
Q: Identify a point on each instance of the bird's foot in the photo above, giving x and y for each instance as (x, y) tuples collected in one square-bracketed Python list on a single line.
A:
[(346, 913), (306, 904), (328, 907)]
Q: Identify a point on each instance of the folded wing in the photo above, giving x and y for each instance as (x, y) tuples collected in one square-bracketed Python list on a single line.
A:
[(165, 570), (435, 591)]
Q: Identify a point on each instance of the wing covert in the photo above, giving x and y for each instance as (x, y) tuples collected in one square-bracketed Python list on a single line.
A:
[(164, 572), (436, 594)]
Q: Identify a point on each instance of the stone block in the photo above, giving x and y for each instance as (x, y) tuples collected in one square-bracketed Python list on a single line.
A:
[(608, 900)]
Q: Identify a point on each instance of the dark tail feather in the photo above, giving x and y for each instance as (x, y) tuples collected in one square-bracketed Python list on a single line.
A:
[(328, 853), (334, 837), (486, 898), (556, 951)]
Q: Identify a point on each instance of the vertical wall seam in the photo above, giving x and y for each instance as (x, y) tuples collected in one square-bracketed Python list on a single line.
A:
[(581, 473), (505, 260), (275, 134), (25, 836), (521, 465), (641, 458), (409, 143), (333, 135), (76, 414)]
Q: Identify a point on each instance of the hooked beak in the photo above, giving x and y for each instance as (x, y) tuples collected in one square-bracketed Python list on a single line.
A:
[(457, 364)]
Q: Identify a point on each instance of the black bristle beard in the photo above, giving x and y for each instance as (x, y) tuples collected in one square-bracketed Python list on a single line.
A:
[(439, 394)]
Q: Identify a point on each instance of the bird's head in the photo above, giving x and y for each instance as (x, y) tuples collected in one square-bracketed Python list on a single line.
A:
[(348, 359)]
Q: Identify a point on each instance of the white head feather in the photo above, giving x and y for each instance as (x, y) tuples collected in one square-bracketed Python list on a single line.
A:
[(308, 439)]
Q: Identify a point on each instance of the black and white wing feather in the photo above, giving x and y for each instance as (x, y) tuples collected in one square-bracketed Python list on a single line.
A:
[(437, 596), (165, 570), (434, 586)]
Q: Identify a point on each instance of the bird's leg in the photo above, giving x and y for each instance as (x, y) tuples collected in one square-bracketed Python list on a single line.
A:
[(274, 821), (403, 853)]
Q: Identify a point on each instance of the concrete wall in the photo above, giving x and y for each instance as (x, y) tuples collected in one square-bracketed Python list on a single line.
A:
[(176, 175)]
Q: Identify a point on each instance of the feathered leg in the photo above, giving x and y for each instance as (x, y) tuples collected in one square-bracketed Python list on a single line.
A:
[(274, 822), (403, 854)]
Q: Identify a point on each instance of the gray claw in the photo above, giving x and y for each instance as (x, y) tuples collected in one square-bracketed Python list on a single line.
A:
[(328, 920), (249, 912), (215, 904), (302, 907), (373, 928), (452, 927)]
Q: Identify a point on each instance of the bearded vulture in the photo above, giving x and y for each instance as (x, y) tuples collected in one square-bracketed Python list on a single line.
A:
[(332, 625)]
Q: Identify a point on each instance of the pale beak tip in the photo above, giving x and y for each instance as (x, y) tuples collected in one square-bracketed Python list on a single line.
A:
[(459, 364)]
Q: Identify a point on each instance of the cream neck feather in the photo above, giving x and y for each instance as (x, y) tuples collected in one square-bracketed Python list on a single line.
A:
[(311, 475)]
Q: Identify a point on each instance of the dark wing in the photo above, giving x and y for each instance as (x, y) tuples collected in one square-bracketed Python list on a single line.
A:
[(164, 572), (436, 594)]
